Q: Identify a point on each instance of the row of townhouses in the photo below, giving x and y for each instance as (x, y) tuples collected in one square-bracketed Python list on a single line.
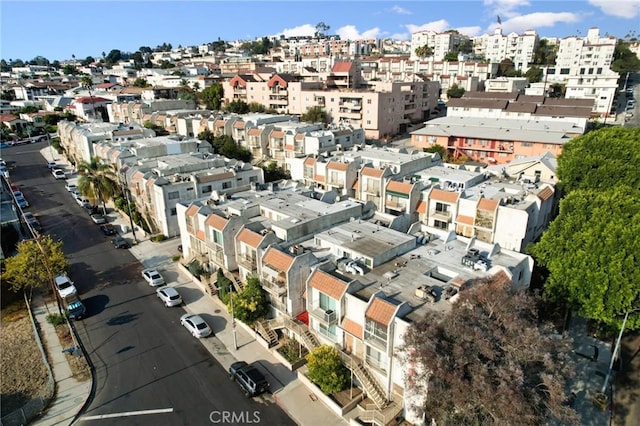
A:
[(332, 277)]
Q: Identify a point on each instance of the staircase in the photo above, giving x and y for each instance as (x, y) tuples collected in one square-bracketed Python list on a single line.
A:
[(370, 385), (266, 329), (384, 417), (267, 333)]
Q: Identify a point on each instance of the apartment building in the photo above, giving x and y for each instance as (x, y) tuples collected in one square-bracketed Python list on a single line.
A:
[(508, 210), (439, 43), (384, 108), (377, 282), (495, 140), (519, 48), (137, 111), (159, 184)]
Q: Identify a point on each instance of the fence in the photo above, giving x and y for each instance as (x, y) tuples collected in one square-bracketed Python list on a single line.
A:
[(33, 408)]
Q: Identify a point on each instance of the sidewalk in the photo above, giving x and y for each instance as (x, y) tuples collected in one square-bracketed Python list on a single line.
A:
[(287, 390), (70, 394)]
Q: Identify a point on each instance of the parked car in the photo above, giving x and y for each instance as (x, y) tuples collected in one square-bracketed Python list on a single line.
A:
[(4, 171), (153, 277), (98, 219), (250, 379), (32, 221), (169, 296), (71, 187), (74, 307), (120, 242), (108, 229), (22, 202), (58, 174), (65, 286), (83, 202), (196, 325), (52, 165)]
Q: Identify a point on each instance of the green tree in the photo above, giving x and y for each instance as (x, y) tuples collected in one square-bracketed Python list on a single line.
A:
[(321, 30), (591, 252), (423, 51), (315, 114), (159, 130), (534, 74), (238, 106), (212, 96), (489, 361), (69, 69), (451, 56), (249, 304), (98, 181), (274, 172), (601, 159), (545, 53), (256, 107), (442, 151), (86, 81), (505, 66), (624, 60), (32, 267), (327, 370), (141, 82), (113, 57), (455, 91), (196, 86)]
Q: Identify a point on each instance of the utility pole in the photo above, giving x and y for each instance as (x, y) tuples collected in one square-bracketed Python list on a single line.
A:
[(125, 189), (616, 349), (233, 321)]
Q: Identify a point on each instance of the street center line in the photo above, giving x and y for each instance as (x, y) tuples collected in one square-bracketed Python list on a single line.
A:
[(128, 414)]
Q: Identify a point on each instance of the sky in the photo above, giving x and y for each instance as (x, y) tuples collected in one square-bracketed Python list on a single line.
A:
[(60, 29)]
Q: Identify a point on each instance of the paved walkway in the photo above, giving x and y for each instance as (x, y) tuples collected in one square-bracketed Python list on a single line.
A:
[(71, 394)]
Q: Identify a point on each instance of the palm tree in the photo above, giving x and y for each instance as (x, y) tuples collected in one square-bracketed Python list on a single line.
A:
[(196, 86), (87, 83), (98, 181)]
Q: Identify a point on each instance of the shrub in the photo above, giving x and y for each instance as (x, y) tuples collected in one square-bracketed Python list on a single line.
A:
[(327, 370), (176, 257), (158, 237), (292, 350), (56, 319)]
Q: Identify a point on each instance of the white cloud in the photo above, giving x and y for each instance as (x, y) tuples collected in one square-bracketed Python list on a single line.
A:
[(505, 8), (401, 10), (350, 32), (470, 31), (621, 8), (400, 36), (300, 30), (438, 26), (533, 21)]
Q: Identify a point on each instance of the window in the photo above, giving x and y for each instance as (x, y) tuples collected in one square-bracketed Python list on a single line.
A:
[(376, 358), (440, 224), (217, 237), (527, 144), (173, 195), (328, 331), (206, 189), (327, 303), (375, 333), (226, 185), (174, 212)]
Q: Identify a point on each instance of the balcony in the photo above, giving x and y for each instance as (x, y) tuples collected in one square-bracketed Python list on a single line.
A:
[(248, 262), (442, 214), (327, 317), (274, 286)]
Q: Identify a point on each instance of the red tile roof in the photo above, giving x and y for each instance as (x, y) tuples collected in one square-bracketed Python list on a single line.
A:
[(328, 284), (370, 171), (422, 207), (254, 132), (342, 66), (277, 260), (192, 210), (545, 193), (200, 235), (310, 161), (239, 125), (381, 311), (337, 165), (352, 327), (277, 134), (401, 187), (216, 222), (446, 196), (467, 220), (250, 238), (487, 204)]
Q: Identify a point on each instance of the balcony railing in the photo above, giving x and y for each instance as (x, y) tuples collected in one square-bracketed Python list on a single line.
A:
[(247, 262), (441, 213), (274, 286), (328, 317)]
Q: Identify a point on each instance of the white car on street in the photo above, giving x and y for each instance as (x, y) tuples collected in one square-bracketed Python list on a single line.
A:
[(58, 174), (153, 277), (65, 286), (169, 296), (71, 187), (196, 325)]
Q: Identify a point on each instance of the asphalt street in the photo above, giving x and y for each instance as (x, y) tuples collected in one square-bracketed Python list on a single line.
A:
[(148, 369)]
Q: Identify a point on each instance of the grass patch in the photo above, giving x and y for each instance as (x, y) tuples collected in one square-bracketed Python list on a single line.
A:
[(56, 319)]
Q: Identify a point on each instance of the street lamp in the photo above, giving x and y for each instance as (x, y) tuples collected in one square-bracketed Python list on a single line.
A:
[(616, 349)]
